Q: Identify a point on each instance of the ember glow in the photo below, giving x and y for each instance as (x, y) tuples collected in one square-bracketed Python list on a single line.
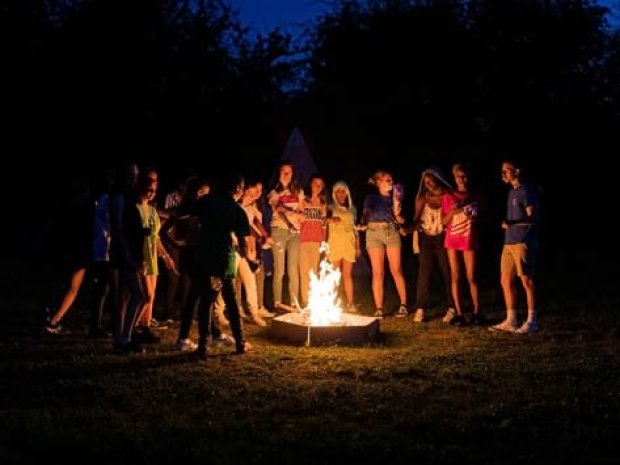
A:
[(323, 303)]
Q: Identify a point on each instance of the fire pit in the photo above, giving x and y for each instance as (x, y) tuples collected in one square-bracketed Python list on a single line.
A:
[(323, 321), (353, 330)]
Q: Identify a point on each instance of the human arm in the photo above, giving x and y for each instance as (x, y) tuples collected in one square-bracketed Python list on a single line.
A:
[(528, 220), (165, 256)]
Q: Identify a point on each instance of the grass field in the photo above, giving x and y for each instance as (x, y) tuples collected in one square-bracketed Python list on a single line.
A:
[(425, 393)]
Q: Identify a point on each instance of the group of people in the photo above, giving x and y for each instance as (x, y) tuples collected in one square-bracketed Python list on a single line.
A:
[(210, 239), (446, 237), (445, 234)]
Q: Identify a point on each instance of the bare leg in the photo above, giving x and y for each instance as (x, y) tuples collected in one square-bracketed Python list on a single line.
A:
[(74, 287), (347, 277), (469, 256), (507, 281), (455, 277), (146, 313), (528, 285), (393, 255), (377, 264)]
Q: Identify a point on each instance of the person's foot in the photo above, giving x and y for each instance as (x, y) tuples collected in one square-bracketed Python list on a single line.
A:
[(352, 308), (450, 314), (419, 316), (56, 328), (379, 313), (243, 348), (159, 324), (401, 311), (185, 345), (529, 327), (505, 326), (257, 320), (478, 320), (264, 313), (458, 321), (224, 340)]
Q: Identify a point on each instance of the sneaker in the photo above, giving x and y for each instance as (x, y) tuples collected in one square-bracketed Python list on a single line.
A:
[(478, 320), (242, 349), (224, 340), (458, 321), (529, 327), (505, 326), (156, 324), (379, 313), (56, 329), (264, 313), (186, 345), (449, 316), (418, 317), (402, 311)]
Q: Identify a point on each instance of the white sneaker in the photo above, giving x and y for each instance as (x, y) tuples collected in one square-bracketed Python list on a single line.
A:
[(506, 326), (224, 339), (402, 312), (449, 316), (529, 327), (418, 317), (56, 329), (186, 345)]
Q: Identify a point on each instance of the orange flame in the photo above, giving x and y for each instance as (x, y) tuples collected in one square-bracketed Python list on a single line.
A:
[(323, 303)]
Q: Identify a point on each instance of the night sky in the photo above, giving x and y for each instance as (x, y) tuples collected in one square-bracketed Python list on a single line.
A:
[(263, 15)]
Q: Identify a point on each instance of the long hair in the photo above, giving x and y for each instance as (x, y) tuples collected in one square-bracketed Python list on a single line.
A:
[(294, 186)]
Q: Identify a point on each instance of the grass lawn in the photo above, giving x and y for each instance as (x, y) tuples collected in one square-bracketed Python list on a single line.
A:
[(424, 393)]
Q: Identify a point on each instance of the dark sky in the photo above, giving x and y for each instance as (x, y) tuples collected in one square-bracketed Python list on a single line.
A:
[(263, 15), (291, 15)]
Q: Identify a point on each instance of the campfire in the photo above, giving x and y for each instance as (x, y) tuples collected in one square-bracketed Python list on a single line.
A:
[(323, 303), (323, 320)]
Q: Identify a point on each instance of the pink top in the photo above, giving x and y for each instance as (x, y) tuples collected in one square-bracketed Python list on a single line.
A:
[(460, 231)]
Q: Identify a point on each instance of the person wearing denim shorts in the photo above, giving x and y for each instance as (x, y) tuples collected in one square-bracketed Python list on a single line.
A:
[(383, 220)]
